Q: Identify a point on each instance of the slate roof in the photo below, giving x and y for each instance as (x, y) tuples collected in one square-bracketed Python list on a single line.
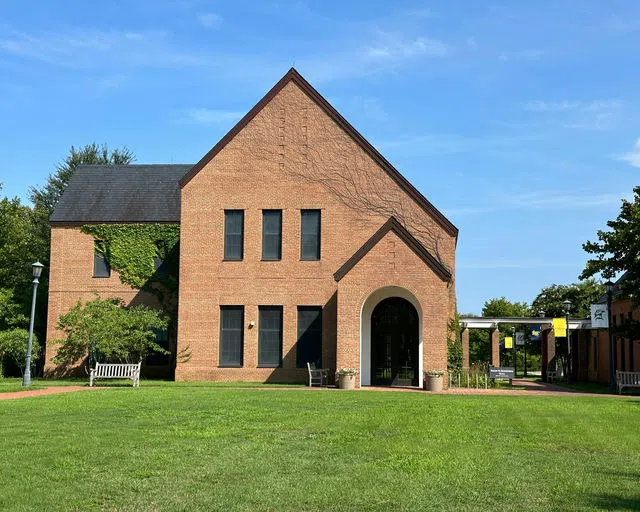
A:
[(122, 193)]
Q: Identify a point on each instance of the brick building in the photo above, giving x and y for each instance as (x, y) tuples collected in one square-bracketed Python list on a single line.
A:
[(299, 243), (591, 356)]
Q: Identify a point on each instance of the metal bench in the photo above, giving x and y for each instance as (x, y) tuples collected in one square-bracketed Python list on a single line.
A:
[(317, 376), (627, 380), (116, 371)]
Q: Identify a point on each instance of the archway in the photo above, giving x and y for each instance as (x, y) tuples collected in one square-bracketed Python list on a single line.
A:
[(391, 349)]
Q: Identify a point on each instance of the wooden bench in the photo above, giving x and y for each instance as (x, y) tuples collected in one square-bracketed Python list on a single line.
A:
[(317, 376), (627, 380), (554, 374), (116, 371)]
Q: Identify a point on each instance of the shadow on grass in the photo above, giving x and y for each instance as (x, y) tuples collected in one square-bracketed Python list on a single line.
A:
[(612, 502)]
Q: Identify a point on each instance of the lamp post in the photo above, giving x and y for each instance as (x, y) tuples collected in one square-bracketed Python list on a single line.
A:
[(37, 270), (566, 305), (612, 353)]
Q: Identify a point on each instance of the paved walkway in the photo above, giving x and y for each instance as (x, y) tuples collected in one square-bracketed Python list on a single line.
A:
[(530, 389), (39, 392)]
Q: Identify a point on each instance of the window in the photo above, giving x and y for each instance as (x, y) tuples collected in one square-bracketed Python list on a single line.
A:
[(310, 235), (231, 336), (271, 234), (101, 266), (233, 234), (309, 347), (270, 336), (595, 354), (156, 358)]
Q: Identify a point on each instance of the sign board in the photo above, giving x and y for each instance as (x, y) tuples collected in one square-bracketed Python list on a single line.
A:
[(599, 316), (560, 327), (519, 338), (536, 333), (508, 342), (502, 372)]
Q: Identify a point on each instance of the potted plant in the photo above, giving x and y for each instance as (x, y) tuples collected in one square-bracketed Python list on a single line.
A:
[(346, 378), (433, 380)]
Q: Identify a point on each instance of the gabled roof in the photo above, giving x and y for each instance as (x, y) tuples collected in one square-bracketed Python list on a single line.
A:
[(293, 76), (121, 194), (393, 225)]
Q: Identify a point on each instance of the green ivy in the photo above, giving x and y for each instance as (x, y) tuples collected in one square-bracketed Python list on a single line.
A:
[(130, 250)]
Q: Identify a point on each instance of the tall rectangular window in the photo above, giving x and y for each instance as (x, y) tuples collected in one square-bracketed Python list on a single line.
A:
[(233, 234), (271, 234), (309, 346), (595, 353), (270, 336), (231, 336), (101, 267), (310, 235)]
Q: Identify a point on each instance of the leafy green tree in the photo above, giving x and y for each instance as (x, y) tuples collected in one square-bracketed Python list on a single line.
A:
[(454, 345), (13, 348), (105, 330), (581, 295), (618, 250), (502, 307), (18, 243), (45, 198)]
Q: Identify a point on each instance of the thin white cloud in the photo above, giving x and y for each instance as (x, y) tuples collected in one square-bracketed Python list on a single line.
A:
[(209, 116), (633, 156), (393, 47), (502, 264), (210, 20), (542, 199), (578, 114)]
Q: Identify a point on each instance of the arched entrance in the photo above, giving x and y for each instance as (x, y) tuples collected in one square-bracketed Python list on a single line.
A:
[(395, 338)]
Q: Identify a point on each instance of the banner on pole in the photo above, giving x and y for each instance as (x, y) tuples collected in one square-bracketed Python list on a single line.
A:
[(508, 342), (536, 333), (519, 339), (599, 316), (560, 327)]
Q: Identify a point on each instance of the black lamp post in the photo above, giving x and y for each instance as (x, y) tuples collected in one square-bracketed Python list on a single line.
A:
[(612, 352), (566, 305), (37, 270)]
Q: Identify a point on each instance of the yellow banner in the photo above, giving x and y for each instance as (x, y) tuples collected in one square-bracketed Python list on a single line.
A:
[(560, 327), (508, 342)]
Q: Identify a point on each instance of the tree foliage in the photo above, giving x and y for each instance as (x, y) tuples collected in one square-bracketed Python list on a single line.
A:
[(104, 330), (13, 347), (581, 295), (454, 345), (618, 249)]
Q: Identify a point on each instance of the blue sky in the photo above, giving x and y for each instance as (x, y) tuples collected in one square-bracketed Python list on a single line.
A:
[(519, 120)]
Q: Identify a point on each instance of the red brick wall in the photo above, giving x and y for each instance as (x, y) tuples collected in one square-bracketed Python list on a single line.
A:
[(288, 130), (71, 279)]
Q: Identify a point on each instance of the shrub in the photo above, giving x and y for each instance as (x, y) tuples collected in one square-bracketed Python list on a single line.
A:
[(13, 346)]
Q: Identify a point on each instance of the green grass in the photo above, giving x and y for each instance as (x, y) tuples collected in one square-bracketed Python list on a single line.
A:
[(195, 447)]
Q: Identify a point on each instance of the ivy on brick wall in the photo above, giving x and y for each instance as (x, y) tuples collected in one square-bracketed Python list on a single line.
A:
[(133, 251)]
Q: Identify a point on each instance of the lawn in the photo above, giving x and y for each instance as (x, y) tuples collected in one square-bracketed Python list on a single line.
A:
[(183, 447)]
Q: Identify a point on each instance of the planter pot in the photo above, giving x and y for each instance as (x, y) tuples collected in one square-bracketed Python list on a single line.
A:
[(433, 383), (347, 381)]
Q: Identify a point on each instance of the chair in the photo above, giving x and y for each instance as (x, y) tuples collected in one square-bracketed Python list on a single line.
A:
[(317, 376)]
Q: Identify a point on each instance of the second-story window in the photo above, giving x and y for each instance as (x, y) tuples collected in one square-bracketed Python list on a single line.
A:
[(310, 235), (271, 234), (233, 234)]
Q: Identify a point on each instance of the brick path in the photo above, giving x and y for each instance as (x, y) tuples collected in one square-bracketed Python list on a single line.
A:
[(39, 392)]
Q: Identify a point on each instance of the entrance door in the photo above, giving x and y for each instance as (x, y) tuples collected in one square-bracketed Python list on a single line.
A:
[(394, 343)]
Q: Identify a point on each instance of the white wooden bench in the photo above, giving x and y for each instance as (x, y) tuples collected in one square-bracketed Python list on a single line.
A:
[(554, 374), (627, 380), (317, 376), (116, 371)]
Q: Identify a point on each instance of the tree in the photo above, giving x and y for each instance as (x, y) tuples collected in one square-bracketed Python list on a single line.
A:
[(46, 197), (106, 330), (502, 307), (13, 347), (581, 295), (618, 250)]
